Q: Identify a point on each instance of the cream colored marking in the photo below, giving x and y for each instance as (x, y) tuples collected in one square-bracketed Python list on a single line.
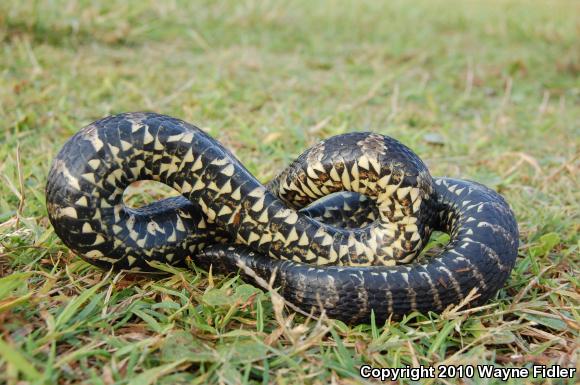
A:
[(390, 189), (375, 163), (334, 174), (454, 282), (470, 219), (199, 185), (351, 240), (345, 179), (82, 201), (303, 240), (363, 162), (497, 229), (186, 187), (131, 260), (135, 126), (172, 237), (292, 218), (310, 255), (94, 163), (413, 296), (87, 228), (389, 252), (253, 237), (310, 172), (408, 258), (355, 183), (292, 236), (147, 137), (164, 167), (283, 213), (228, 170), (153, 227), (326, 240), (384, 181), (264, 217), (372, 242), (141, 242), (472, 206), (125, 145), (175, 164), (95, 141), (220, 161), (188, 137), (259, 205), (157, 146), (318, 166), (213, 186), (236, 194), (320, 232), (279, 237), (389, 301), (346, 207), (360, 249), (94, 254), (257, 192), (314, 188), (69, 212), (305, 190), (98, 240), (224, 211), (414, 193), (324, 190), (458, 192), (169, 257), (354, 171), (343, 250), (417, 204), (333, 256), (211, 214), (117, 213), (201, 224), (433, 289), (89, 177), (72, 181), (267, 237), (179, 225), (176, 138), (188, 157), (197, 165), (249, 219)]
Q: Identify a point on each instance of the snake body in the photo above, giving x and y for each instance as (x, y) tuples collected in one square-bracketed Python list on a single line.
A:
[(339, 229)]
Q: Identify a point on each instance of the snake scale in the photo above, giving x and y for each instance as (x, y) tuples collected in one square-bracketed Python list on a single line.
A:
[(339, 229)]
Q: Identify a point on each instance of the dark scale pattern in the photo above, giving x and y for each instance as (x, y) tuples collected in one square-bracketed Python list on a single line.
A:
[(339, 227)]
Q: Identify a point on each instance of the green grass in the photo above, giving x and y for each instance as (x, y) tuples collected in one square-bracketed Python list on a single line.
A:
[(487, 91)]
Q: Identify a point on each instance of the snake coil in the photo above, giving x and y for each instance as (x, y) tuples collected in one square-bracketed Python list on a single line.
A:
[(339, 228)]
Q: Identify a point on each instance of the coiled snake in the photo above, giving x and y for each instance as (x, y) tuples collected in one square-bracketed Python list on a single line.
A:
[(349, 253)]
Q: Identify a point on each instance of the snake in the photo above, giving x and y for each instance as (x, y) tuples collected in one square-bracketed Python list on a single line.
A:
[(340, 230)]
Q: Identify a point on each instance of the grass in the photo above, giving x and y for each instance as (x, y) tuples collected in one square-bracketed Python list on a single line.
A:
[(487, 91)]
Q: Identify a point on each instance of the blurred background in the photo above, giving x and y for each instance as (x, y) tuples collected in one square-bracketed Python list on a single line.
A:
[(486, 90)]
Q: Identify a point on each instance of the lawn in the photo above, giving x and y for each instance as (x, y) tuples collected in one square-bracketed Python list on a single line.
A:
[(487, 91)]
